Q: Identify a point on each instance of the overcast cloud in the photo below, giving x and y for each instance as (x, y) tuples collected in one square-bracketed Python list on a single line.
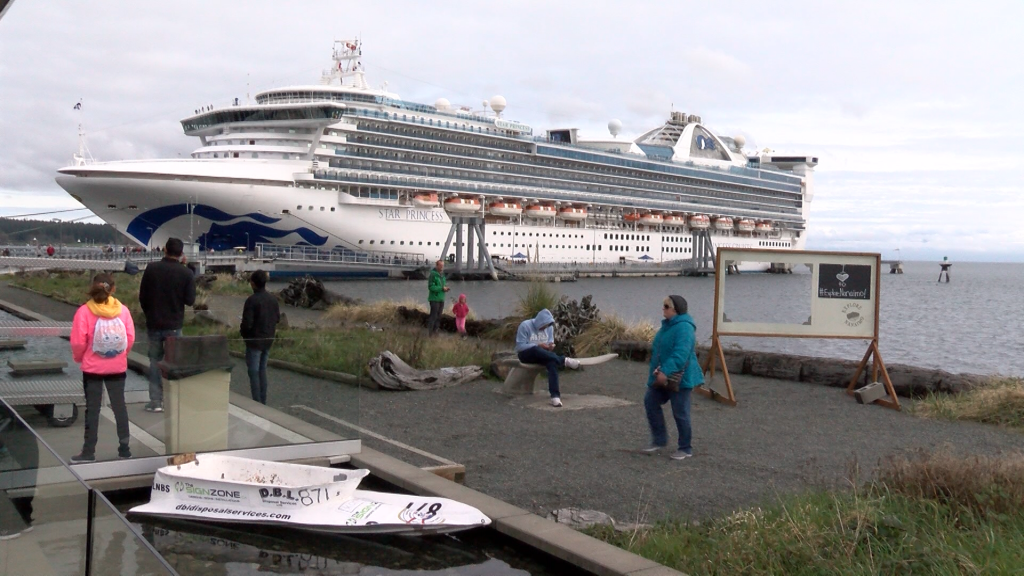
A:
[(912, 107)]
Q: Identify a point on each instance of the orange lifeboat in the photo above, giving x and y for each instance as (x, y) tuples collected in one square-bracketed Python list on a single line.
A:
[(652, 219), (763, 226), (425, 199), (723, 223), (571, 213), (462, 205), (631, 217), (540, 211), (700, 221), (675, 220), (745, 225), (505, 208)]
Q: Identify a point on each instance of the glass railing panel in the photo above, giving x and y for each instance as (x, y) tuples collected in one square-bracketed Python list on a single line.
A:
[(45, 525), (118, 549)]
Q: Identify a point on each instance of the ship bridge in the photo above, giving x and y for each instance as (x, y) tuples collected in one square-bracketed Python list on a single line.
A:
[(311, 114)]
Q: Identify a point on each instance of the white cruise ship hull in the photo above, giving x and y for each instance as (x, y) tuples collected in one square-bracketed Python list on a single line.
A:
[(223, 215)]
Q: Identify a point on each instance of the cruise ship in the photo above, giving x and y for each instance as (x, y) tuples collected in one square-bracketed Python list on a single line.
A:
[(345, 166)]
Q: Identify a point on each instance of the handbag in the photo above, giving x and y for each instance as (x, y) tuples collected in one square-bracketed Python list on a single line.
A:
[(673, 379)]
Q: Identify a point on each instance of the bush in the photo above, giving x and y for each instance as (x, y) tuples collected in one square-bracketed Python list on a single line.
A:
[(597, 337), (1000, 402), (537, 297)]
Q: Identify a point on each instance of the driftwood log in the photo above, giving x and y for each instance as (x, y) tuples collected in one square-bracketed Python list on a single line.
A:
[(308, 292), (571, 317), (391, 373), (473, 327)]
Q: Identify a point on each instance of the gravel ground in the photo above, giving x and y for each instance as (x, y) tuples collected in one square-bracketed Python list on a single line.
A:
[(783, 437)]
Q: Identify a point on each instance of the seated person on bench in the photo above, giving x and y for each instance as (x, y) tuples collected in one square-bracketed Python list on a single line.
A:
[(535, 341)]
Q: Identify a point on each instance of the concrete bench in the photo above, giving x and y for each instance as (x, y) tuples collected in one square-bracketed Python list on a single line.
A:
[(58, 400), (522, 379)]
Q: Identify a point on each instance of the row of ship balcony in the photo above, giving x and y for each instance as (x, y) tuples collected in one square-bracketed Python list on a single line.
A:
[(384, 164), (764, 173), (734, 199), (362, 147), (440, 184)]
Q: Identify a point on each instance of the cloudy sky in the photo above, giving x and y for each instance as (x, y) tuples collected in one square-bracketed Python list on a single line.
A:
[(914, 108)]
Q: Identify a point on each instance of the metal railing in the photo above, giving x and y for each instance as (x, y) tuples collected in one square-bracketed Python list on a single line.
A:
[(338, 255)]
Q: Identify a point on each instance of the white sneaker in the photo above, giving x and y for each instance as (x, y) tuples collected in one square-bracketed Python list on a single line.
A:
[(556, 402), (572, 363)]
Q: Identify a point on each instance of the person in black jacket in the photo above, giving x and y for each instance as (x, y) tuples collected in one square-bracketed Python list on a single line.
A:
[(167, 287), (260, 316)]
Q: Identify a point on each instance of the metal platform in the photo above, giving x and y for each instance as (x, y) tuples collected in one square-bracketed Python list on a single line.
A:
[(32, 392), (25, 328)]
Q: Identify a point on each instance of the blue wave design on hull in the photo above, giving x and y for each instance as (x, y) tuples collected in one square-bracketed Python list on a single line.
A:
[(219, 237)]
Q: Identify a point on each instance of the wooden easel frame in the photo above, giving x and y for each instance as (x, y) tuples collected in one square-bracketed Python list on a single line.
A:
[(716, 355)]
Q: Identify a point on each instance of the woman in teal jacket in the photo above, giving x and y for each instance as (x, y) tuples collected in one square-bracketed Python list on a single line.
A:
[(673, 374)]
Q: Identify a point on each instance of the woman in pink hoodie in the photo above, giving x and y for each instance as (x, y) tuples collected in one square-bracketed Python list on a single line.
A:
[(461, 310), (102, 334)]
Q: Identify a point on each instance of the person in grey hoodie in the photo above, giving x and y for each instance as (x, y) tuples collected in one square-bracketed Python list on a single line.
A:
[(535, 342)]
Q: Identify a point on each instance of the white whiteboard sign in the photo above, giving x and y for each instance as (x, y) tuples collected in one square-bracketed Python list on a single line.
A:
[(843, 299)]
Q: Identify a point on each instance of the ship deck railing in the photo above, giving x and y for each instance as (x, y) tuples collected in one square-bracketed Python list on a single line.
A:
[(338, 255)]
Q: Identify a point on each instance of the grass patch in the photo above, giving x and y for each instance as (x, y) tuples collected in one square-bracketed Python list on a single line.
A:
[(918, 516), (230, 285), (536, 297), (1000, 402), (350, 349), (378, 313), (72, 287), (598, 336)]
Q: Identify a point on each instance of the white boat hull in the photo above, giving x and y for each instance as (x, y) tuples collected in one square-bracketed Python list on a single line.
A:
[(227, 489)]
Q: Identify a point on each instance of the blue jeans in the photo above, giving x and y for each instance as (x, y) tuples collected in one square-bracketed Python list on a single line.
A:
[(538, 355), (156, 353), (680, 401), (256, 364)]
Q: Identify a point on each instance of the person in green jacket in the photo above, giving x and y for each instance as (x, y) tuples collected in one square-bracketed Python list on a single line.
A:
[(672, 375), (436, 287)]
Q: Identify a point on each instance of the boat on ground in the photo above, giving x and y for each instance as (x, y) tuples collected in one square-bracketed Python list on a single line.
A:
[(229, 489)]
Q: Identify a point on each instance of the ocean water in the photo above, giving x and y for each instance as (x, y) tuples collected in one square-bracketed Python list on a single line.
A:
[(972, 324)]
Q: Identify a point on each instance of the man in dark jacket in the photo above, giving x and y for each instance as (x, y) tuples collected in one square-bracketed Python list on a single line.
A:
[(167, 287), (260, 316)]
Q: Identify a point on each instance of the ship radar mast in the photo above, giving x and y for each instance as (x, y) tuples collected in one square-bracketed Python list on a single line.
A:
[(83, 156), (347, 57)]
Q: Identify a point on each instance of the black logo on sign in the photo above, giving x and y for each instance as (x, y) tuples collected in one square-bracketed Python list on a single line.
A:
[(848, 281)]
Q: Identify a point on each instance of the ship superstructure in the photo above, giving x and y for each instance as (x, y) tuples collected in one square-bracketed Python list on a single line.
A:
[(342, 165)]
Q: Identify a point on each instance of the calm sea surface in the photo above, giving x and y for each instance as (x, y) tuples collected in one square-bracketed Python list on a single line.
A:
[(973, 324)]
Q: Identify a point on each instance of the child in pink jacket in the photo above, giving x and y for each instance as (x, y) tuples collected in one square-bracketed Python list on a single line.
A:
[(102, 334), (461, 310)]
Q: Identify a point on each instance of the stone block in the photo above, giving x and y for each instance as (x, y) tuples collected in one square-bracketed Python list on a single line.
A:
[(12, 344), (503, 362), (870, 393), (30, 367)]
